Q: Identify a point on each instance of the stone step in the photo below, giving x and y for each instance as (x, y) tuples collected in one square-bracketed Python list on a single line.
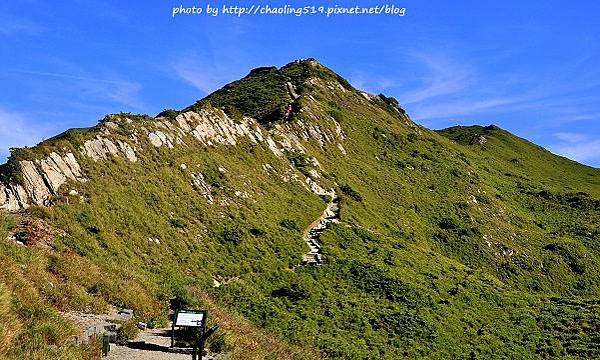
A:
[(311, 259), (331, 214)]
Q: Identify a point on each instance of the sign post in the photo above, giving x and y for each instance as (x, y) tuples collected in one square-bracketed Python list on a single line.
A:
[(189, 318), (195, 319), (199, 345)]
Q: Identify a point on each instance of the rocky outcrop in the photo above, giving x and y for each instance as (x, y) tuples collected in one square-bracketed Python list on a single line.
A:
[(12, 197), (99, 148), (38, 190), (41, 179), (202, 187), (56, 170), (292, 90), (315, 188), (128, 151), (212, 127)]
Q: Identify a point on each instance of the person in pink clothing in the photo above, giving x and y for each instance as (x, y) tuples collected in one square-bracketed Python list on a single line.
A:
[(288, 112)]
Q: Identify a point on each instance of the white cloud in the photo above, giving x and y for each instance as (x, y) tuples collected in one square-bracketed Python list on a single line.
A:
[(571, 137), (577, 146), (12, 25), (450, 88), (112, 89), (371, 84), (462, 107), (444, 77), (585, 152), (206, 76), (17, 131), (125, 93)]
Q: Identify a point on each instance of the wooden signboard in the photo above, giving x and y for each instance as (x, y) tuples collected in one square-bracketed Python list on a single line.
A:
[(192, 318), (188, 318)]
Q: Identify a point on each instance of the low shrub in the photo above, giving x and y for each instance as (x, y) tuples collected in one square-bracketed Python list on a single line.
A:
[(128, 331)]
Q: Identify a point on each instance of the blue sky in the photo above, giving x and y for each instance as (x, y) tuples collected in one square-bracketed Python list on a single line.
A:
[(530, 67)]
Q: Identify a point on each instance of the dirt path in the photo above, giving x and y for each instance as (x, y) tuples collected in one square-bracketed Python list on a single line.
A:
[(151, 344)]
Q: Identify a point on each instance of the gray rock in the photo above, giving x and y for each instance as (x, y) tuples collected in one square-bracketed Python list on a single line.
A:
[(98, 148), (73, 165), (111, 125), (62, 165), (182, 122), (20, 195), (52, 175), (292, 90), (128, 151), (159, 138), (3, 195), (34, 183), (202, 186), (94, 149), (111, 147), (126, 314), (155, 139)]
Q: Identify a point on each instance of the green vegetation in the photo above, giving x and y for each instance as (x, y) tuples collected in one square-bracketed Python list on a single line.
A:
[(168, 113), (348, 190), (466, 243), (127, 331), (262, 95)]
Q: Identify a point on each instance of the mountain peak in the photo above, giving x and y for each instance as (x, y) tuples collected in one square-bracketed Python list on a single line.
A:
[(224, 198), (266, 92)]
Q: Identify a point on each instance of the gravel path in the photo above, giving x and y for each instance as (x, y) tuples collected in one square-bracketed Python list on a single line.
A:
[(154, 338)]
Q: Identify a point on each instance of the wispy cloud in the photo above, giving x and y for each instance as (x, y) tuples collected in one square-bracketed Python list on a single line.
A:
[(451, 88), (112, 89), (369, 83), (443, 77), (56, 100), (16, 130), (203, 74), (12, 25), (463, 107), (571, 137), (577, 146)]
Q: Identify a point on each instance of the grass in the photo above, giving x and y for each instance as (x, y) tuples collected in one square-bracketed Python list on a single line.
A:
[(247, 341), (449, 247)]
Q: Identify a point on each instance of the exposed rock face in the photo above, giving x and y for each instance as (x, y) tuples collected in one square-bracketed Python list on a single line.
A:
[(128, 151), (291, 134), (54, 177), (43, 178), (34, 182), (215, 127), (202, 186), (99, 148), (292, 90), (72, 164), (56, 170), (316, 188)]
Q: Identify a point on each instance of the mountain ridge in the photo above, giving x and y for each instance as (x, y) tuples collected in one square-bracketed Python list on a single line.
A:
[(443, 249)]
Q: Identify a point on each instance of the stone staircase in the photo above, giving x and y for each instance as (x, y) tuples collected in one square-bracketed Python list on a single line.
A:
[(314, 231)]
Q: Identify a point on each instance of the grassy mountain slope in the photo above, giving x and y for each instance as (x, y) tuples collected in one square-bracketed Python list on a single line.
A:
[(463, 243)]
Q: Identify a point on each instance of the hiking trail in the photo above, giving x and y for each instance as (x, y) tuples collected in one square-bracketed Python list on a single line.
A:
[(313, 231)]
